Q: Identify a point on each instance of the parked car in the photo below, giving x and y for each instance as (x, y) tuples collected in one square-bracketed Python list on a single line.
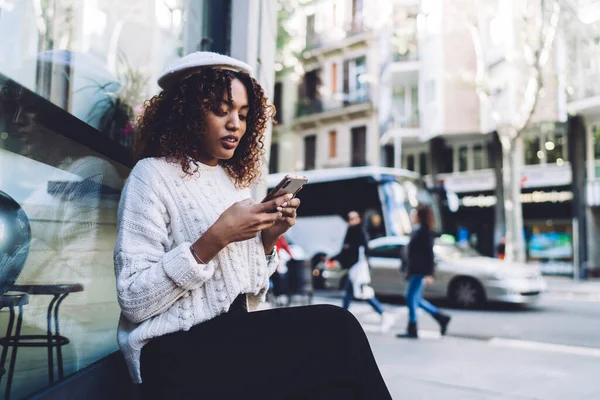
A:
[(463, 276)]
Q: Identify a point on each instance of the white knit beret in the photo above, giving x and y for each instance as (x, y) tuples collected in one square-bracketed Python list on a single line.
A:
[(193, 62)]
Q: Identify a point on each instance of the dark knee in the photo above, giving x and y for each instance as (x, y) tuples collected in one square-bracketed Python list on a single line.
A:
[(338, 316)]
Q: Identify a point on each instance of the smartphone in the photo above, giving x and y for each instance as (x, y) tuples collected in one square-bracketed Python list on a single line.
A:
[(289, 184)]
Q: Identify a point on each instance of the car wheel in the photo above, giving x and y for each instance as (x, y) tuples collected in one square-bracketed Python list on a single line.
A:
[(467, 293)]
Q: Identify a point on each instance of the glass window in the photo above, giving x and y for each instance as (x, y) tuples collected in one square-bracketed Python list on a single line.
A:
[(386, 251), (596, 141), (399, 102), (359, 146), (410, 162), (86, 58), (389, 155), (555, 148), (67, 188), (414, 99), (73, 76), (533, 153), (310, 30), (360, 84), (310, 152), (478, 157), (449, 160), (274, 159), (423, 164), (463, 158), (277, 102)]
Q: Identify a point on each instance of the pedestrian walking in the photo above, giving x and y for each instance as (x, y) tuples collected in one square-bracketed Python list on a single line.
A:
[(194, 254), (353, 256), (420, 270)]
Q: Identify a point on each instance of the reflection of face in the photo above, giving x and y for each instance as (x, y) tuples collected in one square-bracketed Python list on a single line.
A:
[(225, 126), (353, 219), (414, 217), (375, 220)]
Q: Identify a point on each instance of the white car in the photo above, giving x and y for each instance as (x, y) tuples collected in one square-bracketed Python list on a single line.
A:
[(462, 275)]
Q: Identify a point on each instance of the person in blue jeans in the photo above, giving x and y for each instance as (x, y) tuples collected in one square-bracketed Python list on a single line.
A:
[(354, 239), (420, 269)]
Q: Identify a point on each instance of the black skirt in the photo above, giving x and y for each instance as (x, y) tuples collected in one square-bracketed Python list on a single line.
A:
[(314, 352)]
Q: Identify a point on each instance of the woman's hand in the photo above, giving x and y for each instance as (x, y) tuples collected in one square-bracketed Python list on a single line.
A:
[(242, 221), (287, 220), (428, 280), (245, 219)]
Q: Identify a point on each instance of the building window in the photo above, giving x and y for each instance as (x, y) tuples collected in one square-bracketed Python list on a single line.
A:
[(277, 102), (357, 15), (389, 155), (555, 149), (359, 146), (463, 158), (334, 78), (310, 30), (410, 162), (346, 77), (414, 107), (399, 104), (274, 159), (478, 157), (423, 164), (334, 20), (332, 144), (448, 160), (596, 141), (360, 94), (310, 152), (533, 153), (216, 24)]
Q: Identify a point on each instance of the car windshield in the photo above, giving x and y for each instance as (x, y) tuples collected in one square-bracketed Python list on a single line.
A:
[(455, 251)]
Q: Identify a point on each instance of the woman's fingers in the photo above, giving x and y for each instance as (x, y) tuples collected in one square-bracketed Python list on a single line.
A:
[(289, 212)]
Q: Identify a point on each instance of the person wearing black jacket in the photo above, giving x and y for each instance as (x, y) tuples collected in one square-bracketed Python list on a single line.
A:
[(356, 237), (420, 269)]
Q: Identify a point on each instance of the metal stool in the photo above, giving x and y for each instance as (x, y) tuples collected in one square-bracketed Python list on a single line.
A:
[(52, 339), (11, 300)]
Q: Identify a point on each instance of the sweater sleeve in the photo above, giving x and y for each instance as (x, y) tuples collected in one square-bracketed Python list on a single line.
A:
[(150, 275)]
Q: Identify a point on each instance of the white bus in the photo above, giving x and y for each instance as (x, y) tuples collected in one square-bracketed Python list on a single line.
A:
[(384, 197)]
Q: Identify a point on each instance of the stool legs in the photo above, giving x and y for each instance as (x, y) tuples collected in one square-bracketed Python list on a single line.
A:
[(13, 356), (59, 359), (50, 339), (5, 345)]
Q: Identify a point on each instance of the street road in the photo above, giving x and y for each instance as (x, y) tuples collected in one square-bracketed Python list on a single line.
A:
[(547, 351)]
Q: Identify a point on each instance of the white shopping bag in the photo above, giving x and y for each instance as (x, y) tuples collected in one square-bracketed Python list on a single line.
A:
[(360, 277)]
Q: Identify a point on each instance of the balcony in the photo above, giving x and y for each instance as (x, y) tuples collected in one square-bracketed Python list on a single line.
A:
[(404, 126), (336, 39), (340, 105), (337, 101)]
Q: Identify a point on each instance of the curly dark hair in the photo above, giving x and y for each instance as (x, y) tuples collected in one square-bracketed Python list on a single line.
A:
[(174, 119)]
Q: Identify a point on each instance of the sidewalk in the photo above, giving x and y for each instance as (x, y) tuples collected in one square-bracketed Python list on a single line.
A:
[(567, 287)]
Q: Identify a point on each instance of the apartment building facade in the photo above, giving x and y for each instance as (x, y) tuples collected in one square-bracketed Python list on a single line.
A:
[(422, 113)]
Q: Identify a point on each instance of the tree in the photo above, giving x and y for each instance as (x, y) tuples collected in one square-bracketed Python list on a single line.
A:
[(535, 29)]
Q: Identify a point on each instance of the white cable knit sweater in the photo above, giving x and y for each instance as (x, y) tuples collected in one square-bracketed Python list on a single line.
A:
[(161, 288)]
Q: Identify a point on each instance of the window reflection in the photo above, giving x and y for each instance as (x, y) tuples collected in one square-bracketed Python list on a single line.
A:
[(86, 58), (69, 195)]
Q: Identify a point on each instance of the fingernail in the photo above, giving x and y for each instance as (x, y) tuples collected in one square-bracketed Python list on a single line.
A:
[(289, 196), (284, 204), (279, 208)]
